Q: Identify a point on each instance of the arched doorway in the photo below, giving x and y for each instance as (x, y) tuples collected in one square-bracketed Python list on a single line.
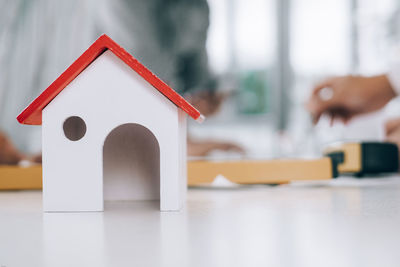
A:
[(131, 164)]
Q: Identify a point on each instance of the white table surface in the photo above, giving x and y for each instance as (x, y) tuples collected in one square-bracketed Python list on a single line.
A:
[(342, 223)]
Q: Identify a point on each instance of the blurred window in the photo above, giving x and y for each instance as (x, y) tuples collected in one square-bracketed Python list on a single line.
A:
[(272, 52)]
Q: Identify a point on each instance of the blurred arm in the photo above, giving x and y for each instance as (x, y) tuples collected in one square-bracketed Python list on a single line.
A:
[(350, 96), (394, 77)]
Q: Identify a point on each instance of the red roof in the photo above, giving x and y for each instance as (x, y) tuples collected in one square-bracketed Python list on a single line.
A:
[(33, 113)]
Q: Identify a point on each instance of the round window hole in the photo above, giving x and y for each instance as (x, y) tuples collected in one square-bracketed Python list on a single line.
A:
[(74, 128)]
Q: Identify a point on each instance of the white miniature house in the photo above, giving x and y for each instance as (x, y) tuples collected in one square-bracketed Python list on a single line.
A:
[(111, 130)]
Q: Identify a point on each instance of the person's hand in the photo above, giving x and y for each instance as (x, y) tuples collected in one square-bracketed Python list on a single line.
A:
[(349, 96), (207, 102), (9, 155), (392, 131), (203, 148), (36, 159)]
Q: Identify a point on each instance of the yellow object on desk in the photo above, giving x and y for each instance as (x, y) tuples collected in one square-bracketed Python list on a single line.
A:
[(20, 178), (277, 171), (202, 172), (352, 153)]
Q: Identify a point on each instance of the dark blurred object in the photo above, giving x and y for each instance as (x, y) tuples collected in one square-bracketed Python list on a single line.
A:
[(365, 158)]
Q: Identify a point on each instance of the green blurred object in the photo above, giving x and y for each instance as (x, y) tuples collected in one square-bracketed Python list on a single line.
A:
[(253, 93)]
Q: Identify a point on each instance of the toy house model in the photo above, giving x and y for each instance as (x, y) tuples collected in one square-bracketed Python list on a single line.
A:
[(111, 130)]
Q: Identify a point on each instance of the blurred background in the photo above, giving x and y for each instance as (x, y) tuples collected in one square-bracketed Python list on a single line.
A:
[(265, 54), (273, 52)]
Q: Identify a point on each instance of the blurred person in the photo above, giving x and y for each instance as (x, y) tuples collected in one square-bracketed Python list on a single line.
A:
[(168, 36), (38, 41)]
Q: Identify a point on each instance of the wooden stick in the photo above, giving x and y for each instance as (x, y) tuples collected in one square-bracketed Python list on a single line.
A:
[(203, 172), (260, 171), (20, 178)]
